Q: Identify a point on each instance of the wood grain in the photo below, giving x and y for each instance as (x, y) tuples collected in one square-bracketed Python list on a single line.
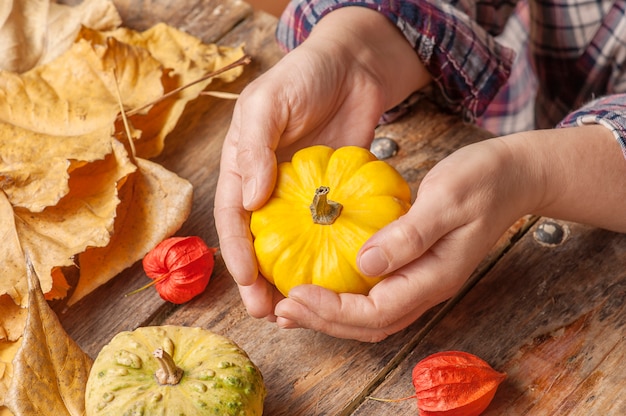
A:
[(192, 151), (536, 312), (552, 318), (208, 20), (301, 367)]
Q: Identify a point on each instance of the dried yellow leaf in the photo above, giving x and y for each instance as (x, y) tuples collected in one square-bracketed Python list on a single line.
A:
[(155, 203), (83, 218), (185, 59), (76, 93), (11, 253), (60, 286), (56, 130), (15, 318), (70, 193), (35, 167), (33, 32), (8, 350), (49, 369)]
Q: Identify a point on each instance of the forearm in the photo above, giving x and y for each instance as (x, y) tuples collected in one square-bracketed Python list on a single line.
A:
[(576, 174), (464, 60)]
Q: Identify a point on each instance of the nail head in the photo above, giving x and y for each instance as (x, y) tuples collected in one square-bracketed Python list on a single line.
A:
[(384, 147), (551, 233)]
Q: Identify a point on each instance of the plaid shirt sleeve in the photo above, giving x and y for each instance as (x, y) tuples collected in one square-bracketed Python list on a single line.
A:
[(465, 61), (582, 76), (468, 48)]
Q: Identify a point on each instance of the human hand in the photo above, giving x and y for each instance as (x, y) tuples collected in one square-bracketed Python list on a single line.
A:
[(463, 206), (330, 90)]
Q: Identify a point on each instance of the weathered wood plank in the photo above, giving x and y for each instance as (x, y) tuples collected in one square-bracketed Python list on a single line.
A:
[(95, 319), (306, 372), (208, 20), (551, 317)]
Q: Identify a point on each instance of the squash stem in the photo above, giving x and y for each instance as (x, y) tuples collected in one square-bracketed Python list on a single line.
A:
[(323, 210), (169, 373)]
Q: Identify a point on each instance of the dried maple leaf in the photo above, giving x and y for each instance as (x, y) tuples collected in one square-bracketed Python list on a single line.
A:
[(50, 99), (155, 203), (33, 32), (83, 218), (8, 350), (50, 370), (185, 59), (35, 168)]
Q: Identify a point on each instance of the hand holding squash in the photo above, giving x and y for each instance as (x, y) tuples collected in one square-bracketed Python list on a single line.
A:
[(463, 205), (325, 205)]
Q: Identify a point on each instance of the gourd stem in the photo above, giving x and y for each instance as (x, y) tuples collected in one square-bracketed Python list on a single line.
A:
[(323, 210), (169, 373)]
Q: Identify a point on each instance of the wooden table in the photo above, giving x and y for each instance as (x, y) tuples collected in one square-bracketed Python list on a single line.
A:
[(551, 316)]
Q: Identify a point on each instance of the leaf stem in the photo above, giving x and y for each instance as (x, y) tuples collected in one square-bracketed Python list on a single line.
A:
[(244, 60), (131, 143)]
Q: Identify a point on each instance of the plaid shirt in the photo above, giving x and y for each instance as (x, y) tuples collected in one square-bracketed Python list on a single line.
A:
[(508, 65)]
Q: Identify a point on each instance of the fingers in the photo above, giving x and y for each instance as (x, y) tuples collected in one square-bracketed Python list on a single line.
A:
[(300, 312), (247, 177), (258, 175), (260, 298), (391, 306), (345, 315), (464, 189), (394, 303), (232, 222), (254, 139)]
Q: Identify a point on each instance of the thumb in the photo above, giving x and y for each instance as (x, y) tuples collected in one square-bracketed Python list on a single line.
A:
[(403, 240)]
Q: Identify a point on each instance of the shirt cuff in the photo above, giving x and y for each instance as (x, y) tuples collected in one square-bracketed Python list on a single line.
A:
[(608, 111)]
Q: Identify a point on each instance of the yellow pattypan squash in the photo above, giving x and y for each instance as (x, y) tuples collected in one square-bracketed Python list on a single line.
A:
[(325, 205)]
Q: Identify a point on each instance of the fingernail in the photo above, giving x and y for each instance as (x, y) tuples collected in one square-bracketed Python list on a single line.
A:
[(373, 262), (249, 190)]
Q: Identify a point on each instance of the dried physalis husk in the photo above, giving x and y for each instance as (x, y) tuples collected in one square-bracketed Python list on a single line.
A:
[(180, 267), (454, 383)]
